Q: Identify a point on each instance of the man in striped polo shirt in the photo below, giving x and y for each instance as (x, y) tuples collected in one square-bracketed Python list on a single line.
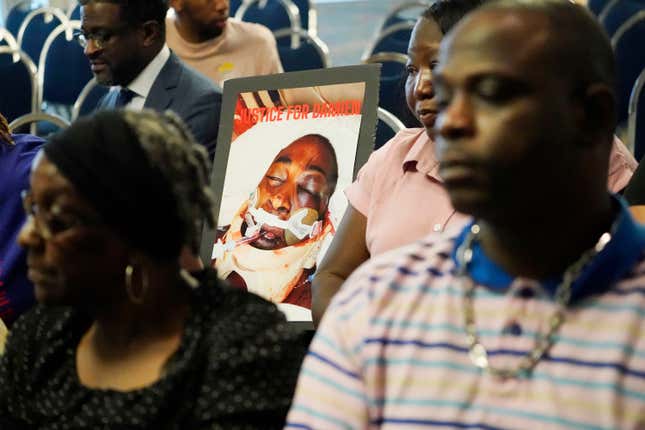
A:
[(532, 317)]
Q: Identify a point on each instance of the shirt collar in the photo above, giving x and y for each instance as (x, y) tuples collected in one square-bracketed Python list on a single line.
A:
[(141, 84), (421, 157), (616, 259)]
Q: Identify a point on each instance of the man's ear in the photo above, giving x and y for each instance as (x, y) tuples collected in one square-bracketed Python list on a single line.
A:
[(151, 32), (599, 110)]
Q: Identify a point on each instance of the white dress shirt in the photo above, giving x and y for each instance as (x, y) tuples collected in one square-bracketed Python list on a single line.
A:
[(141, 84)]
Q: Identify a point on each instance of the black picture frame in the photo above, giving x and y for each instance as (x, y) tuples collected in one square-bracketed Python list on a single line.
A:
[(315, 79)]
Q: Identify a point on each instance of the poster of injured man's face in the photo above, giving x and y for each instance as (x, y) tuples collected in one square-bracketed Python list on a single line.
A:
[(293, 143)]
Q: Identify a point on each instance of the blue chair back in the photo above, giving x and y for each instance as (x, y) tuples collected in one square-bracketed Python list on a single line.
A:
[(628, 47), (392, 99), (639, 131), (36, 27), (234, 6), (407, 12), (63, 69), (18, 80), (386, 127), (619, 12), (75, 13), (394, 38), (7, 39), (383, 134), (636, 130), (273, 15), (312, 53), (596, 6), (392, 86), (16, 16), (398, 42), (304, 6)]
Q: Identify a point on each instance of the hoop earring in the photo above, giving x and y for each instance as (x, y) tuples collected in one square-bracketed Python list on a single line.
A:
[(135, 296), (189, 279)]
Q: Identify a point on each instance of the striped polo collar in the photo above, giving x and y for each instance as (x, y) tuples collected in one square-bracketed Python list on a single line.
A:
[(614, 262)]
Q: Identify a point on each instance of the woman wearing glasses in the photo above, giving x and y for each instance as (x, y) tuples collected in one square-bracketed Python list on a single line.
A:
[(122, 338)]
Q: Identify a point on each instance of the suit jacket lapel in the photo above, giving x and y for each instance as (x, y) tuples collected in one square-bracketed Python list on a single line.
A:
[(162, 91)]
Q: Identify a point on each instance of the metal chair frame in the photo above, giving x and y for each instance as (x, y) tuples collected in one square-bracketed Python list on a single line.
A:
[(70, 9), (11, 42), (49, 13), (320, 46), (398, 9), (633, 110), (292, 12), (8, 37), (390, 120), (80, 100), (382, 35), (313, 19), (602, 16), (67, 27), (34, 117), (18, 55), (382, 57), (25, 5), (625, 26)]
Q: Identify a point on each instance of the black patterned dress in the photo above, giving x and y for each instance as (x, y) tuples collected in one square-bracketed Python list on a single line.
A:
[(236, 367)]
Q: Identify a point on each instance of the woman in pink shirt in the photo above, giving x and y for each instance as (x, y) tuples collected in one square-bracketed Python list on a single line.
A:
[(398, 196)]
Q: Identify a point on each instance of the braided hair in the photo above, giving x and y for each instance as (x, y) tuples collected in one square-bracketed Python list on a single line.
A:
[(446, 13), (5, 134), (171, 147)]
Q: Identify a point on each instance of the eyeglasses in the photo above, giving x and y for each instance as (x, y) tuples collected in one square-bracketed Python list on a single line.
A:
[(100, 38), (56, 221)]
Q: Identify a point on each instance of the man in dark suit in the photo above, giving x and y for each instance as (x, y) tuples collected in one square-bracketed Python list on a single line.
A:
[(125, 44)]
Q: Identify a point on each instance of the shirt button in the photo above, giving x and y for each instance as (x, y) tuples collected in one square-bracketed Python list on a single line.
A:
[(437, 227)]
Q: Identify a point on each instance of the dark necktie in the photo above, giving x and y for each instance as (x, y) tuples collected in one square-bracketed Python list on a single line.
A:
[(124, 97)]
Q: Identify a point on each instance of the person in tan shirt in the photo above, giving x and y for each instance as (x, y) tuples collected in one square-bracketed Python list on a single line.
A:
[(205, 38)]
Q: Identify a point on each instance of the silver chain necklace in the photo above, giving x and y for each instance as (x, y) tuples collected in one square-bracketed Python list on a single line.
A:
[(476, 350)]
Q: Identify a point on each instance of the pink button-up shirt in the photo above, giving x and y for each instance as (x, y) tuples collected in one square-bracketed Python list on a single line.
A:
[(401, 194)]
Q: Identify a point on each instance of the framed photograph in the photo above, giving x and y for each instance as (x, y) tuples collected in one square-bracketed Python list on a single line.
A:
[(288, 146)]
